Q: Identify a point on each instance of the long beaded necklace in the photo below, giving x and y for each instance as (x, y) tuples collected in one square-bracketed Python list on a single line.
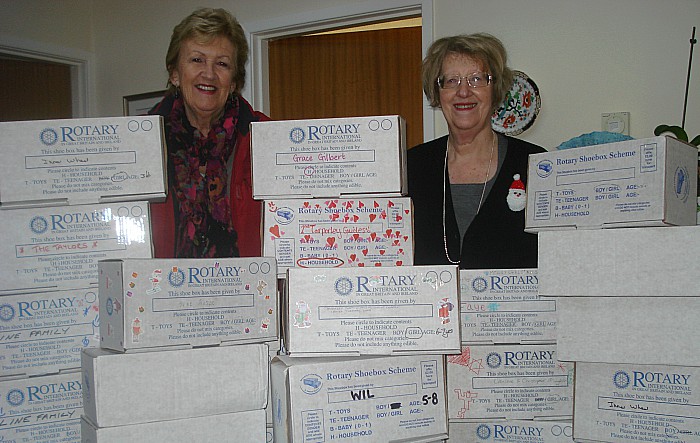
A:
[(444, 196)]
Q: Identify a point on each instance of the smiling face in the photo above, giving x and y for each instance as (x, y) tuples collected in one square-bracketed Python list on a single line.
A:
[(204, 73), (466, 109)]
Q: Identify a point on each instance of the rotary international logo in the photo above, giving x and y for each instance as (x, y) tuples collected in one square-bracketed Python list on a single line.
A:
[(621, 379), (493, 360), (7, 312), (297, 135), (38, 225), (479, 284), (483, 432), (343, 286), (176, 278), (48, 136), (15, 397)]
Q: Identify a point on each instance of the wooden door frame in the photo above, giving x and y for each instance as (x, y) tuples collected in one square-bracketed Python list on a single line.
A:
[(259, 33), (80, 62)]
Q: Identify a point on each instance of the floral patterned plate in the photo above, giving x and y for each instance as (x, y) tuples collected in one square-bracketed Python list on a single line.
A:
[(520, 107)]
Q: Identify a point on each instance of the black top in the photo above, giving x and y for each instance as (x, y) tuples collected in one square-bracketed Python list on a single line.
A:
[(496, 239)]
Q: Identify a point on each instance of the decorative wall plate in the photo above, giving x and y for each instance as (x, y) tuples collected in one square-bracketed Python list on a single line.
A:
[(520, 107)]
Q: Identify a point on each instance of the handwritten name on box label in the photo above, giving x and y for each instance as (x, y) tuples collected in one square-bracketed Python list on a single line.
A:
[(57, 248), (509, 381), (328, 233), (82, 161), (502, 306), (381, 310)]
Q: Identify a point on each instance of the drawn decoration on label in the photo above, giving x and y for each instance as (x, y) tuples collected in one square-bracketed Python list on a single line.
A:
[(301, 315)]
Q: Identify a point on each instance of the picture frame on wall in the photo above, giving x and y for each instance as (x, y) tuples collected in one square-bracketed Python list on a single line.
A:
[(140, 104)]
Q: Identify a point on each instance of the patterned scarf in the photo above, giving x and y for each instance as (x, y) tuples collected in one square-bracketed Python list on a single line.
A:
[(200, 181)]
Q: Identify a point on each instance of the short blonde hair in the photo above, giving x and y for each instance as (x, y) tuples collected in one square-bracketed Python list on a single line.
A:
[(483, 48), (204, 25)]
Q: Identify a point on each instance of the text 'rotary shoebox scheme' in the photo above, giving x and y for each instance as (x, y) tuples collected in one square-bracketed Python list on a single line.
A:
[(333, 157), (381, 310), (509, 381), (363, 399), (331, 233), (502, 306), (82, 161), (44, 332), (41, 409), (57, 248), (621, 403), (191, 302), (645, 182), (141, 387), (516, 431)]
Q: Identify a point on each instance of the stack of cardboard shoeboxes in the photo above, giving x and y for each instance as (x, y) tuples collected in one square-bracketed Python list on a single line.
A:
[(72, 192), (508, 383), (364, 331), (619, 252)]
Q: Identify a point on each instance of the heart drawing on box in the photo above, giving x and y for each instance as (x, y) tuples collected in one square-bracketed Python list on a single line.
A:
[(275, 231)]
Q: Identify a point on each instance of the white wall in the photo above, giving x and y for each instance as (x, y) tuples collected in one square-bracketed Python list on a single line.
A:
[(587, 57)]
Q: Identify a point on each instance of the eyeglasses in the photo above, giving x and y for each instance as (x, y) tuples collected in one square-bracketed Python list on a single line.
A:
[(475, 80)]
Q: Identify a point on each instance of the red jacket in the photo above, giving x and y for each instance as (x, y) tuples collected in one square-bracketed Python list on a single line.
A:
[(246, 212)]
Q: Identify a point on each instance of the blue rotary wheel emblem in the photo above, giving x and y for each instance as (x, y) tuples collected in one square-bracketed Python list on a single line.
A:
[(48, 136), (38, 225), (15, 397), (479, 284), (176, 278), (493, 360), (110, 306), (621, 379), (343, 286), (296, 135), (7, 312), (483, 432)]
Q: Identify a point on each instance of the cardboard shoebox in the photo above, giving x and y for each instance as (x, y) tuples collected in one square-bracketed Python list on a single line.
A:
[(643, 330), (645, 182), (241, 427), (621, 403), (82, 161), (58, 247), (379, 310), (151, 303), (509, 382), (503, 306), (516, 431), (130, 388), (41, 409), (330, 157), (368, 399), (329, 233), (634, 262), (45, 332)]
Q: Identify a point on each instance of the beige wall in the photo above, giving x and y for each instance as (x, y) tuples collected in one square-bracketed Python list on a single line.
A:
[(587, 57)]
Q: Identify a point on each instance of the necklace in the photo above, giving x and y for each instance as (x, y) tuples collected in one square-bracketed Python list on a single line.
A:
[(444, 192)]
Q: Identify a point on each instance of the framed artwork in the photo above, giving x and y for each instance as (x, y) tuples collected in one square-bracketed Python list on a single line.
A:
[(140, 104)]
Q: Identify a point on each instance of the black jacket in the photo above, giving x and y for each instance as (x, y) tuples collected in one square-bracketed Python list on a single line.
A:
[(496, 238)]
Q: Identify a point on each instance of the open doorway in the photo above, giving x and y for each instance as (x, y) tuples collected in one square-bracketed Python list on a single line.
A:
[(370, 70), (262, 34), (34, 90)]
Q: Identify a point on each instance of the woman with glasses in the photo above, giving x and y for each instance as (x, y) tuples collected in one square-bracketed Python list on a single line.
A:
[(468, 187), (209, 211)]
